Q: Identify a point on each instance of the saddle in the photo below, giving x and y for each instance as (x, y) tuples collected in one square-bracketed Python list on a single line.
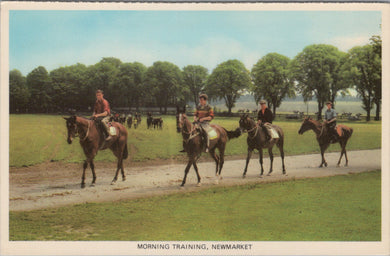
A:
[(274, 134), (211, 132)]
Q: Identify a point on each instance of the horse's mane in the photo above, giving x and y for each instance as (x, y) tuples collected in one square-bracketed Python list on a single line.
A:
[(83, 117)]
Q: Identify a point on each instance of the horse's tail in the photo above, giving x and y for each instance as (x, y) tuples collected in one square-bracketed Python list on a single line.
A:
[(233, 134), (125, 152)]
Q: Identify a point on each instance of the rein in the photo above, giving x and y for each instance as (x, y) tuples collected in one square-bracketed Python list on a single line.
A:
[(190, 133), (86, 135), (251, 130)]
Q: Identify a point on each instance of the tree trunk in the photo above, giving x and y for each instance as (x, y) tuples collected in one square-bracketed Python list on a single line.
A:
[(229, 110), (319, 111), (378, 108)]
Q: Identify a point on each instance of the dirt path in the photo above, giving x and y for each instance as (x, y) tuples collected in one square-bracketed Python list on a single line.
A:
[(56, 184)]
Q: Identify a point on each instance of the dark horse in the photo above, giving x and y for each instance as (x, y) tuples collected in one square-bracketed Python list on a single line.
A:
[(323, 138), (149, 120), (257, 140), (92, 140), (193, 144)]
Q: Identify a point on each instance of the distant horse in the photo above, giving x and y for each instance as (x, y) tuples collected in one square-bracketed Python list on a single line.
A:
[(129, 121), (122, 119), (323, 138), (257, 140), (149, 120), (193, 144), (92, 140), (157, 123)]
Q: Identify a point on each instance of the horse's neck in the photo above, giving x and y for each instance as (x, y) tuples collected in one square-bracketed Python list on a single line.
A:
[(187, 127), (252, 124), (82, 124), (316, 127)]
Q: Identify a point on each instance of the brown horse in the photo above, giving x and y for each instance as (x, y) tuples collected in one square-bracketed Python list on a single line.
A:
[(257, 140), (194, 146), (323, 138), (91, 140)]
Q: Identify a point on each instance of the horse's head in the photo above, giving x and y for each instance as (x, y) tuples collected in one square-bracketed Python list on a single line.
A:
[(71, 126), (246, 122), (180, 114), (306, 125)]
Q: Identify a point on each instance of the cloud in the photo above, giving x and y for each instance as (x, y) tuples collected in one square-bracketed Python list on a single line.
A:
[(346, 43), (208, 53)]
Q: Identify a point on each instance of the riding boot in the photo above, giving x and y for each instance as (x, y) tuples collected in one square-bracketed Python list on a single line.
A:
[(205, 141), (183, 150), (109, 137)]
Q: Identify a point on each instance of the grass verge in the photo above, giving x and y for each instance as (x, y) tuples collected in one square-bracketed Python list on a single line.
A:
[(339, 208)]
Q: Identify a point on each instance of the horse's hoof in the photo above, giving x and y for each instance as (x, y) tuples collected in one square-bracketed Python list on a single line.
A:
[(261, 176), (268, 174), (216, 182), (113, 182), (199, 184), (92, 185), (326, 164), (82, 185), (123, 179), (244, 176)]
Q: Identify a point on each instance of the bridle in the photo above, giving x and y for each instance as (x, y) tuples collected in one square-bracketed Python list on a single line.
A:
[(251, 130), (190, 133), (77, 133)]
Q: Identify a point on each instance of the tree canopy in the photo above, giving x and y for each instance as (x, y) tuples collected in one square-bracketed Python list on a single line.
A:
[(320, 71), (227, 81), (271, 80)]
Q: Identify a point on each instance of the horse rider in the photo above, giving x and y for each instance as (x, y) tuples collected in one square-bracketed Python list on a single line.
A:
[(102, 111), (264, 119), (330, 117), (203, 115)]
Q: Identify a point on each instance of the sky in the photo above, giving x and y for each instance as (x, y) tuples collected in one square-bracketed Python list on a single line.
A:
[(56, 39)]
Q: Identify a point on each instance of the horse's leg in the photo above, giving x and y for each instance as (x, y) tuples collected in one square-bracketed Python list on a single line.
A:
[(221, 149), (85, 165), (197, 173), (271, 158), (123, 172), (190, 162), (345, 153), (118, 152), (118, 167), (341, 153), (248, 157), (216, 158), (261, 161), (323, 161), (92, 165), (280, 145)]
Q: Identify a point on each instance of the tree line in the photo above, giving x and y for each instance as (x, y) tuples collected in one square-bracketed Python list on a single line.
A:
[(321, 72)]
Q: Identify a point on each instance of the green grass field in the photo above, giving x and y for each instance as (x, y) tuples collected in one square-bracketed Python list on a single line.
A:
[(38, 139), (340, 208)]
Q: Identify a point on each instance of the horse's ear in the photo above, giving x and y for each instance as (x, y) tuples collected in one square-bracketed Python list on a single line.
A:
[(65, 118)]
